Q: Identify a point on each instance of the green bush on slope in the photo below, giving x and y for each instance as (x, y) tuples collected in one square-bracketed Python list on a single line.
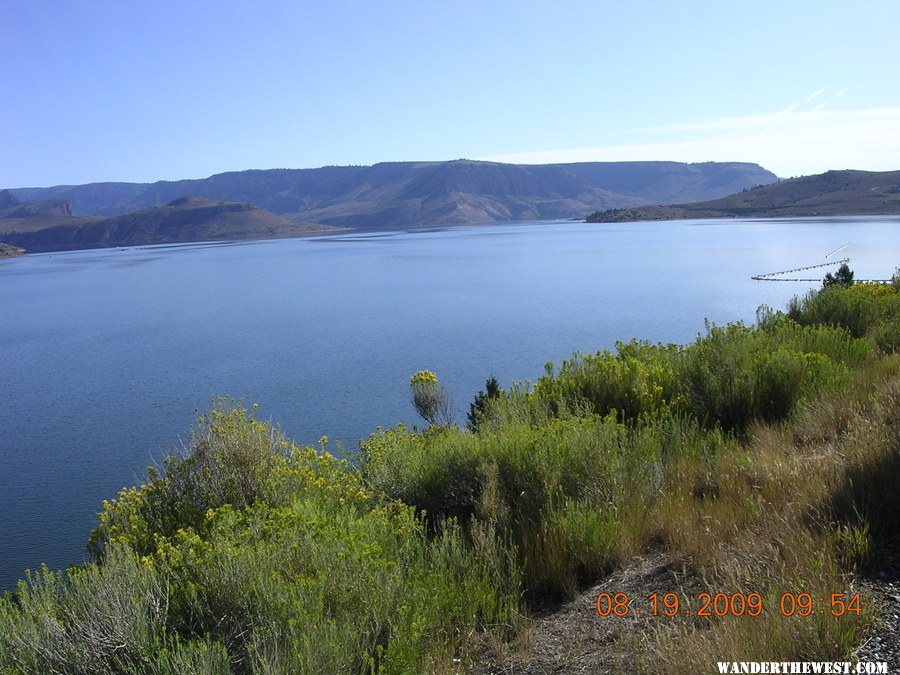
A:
[(728, 378), (865, 309), (556, 492), (267, 556)]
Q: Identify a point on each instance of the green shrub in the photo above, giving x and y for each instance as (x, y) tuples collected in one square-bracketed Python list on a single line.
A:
[(92, 619), (195, 656), (309, 585), (736, 374), (232, 458), (728, 377), (574, 546), (261, 555), (640, 378), (859, 309), (887, 335), (478, 409), (554, 491)]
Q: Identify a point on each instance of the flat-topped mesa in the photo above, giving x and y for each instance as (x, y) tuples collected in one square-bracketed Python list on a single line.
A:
[(282, 203), (408, 194)]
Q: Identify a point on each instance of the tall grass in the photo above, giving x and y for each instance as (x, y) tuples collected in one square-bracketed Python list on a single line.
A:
[(821, 512)]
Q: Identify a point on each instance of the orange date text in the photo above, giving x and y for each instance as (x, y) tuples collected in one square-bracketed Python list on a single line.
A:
[(727, 604)]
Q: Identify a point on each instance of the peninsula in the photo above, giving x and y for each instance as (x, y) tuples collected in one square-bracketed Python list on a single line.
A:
[(833, 193)]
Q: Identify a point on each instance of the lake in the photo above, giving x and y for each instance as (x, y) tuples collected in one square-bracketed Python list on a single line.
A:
[(109, 356)]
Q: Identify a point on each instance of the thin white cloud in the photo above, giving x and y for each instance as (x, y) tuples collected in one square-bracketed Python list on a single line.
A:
[(817, 92), (790, 143), (790, 108)]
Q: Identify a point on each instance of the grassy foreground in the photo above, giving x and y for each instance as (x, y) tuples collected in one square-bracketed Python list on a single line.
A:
[(764, 458)]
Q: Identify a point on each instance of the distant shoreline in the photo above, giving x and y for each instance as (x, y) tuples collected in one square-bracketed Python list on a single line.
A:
[(324, 232)]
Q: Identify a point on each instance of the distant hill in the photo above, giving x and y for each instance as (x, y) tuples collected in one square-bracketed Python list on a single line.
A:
[(48, 225), (834, 193), (405, 194)]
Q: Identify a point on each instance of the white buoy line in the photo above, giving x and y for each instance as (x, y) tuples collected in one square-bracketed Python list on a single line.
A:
[(773, 276)]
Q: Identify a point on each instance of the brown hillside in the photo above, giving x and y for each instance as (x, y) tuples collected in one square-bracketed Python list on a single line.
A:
[(185, 219)]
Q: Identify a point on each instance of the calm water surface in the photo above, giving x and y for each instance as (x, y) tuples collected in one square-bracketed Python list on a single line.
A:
[(108, 356)]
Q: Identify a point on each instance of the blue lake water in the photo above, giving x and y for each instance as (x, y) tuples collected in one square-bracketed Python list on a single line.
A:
[(108, 356)]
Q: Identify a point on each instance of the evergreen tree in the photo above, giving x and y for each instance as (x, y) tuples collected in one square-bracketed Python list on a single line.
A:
[(478, 407), (843, 277)]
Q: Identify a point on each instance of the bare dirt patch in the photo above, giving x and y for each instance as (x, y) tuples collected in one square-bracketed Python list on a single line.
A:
[(575, 639)]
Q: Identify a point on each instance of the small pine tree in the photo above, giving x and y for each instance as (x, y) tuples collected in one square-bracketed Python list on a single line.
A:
[(478, 407), (843, 277)]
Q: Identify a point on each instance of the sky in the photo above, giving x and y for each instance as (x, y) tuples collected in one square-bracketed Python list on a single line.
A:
[(97, 90)]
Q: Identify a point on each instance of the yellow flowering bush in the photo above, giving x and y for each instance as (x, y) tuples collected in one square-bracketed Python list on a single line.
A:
[(281, 555), (423, 378), (430, 398)]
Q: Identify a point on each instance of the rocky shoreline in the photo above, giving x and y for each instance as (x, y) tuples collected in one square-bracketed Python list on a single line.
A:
[(7, 251)]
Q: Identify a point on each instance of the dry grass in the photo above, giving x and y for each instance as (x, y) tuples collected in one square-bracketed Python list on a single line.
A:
[(801, 509)]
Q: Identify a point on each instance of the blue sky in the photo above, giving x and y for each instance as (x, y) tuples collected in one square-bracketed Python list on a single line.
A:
[(141, 91)]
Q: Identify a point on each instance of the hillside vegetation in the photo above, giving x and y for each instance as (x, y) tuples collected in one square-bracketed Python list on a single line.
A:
[(759, 459), (834, 193)]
